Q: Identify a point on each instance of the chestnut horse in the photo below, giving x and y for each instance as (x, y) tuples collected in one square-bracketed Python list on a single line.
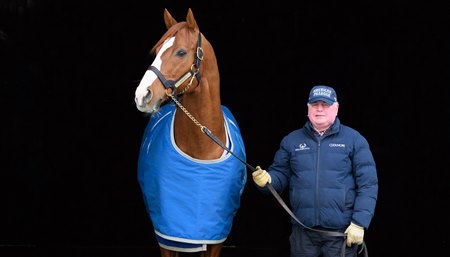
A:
[(191, 186)]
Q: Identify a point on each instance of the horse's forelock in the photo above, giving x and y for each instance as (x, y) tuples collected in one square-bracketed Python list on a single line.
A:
[(169, 33)]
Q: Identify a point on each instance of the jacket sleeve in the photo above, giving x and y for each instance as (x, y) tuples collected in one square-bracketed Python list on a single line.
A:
[(366, 179), (280, 169)]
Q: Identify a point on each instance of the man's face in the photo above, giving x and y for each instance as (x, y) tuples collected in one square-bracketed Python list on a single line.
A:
[(321, 114)]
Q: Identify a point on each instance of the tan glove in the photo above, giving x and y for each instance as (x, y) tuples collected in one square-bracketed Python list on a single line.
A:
[(355, 234), (261, 177)]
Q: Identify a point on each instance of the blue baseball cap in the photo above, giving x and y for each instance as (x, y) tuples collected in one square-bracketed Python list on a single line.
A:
[(322, 93)]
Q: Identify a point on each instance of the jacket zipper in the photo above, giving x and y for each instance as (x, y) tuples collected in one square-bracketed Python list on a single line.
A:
[(317, 181)]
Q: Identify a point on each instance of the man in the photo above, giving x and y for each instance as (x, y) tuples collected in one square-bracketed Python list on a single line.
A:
[(332, 180)]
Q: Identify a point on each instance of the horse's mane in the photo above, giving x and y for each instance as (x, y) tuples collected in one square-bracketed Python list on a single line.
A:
[(169, 33)]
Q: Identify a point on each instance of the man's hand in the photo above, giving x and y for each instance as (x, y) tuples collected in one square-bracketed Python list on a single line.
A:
[(355, 234), (261, 177)]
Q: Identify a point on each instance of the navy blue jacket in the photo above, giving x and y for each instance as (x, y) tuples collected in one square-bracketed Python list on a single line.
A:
[(332, 178)]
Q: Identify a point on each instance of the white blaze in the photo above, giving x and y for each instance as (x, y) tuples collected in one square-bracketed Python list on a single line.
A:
[(150, 76)]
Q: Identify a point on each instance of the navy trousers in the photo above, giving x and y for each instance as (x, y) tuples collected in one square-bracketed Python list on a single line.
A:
[(308, 243)]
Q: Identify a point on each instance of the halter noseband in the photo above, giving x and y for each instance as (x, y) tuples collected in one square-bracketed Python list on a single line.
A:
[(192, 72)]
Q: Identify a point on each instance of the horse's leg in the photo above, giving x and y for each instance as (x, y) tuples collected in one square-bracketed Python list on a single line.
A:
[(168, 253), (212, 251)]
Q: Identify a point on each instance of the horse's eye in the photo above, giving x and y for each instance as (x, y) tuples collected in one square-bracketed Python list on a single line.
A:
[(181, 53)]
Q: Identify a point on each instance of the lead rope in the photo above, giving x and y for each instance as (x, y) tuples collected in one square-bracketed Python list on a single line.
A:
[(269, 185)]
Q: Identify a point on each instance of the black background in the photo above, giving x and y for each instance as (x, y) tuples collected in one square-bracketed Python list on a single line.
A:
[(70, 132)]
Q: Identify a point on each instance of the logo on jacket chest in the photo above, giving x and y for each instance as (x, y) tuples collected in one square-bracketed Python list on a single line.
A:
[(302, 147), (336, 145)]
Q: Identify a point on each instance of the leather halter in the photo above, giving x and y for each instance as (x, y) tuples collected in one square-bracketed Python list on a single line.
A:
[(192, 72)]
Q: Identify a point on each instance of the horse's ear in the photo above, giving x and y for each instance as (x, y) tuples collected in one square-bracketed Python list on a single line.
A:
[(191, 20), (168, 19)]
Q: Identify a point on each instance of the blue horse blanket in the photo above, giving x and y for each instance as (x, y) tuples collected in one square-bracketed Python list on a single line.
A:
[(189, 200)]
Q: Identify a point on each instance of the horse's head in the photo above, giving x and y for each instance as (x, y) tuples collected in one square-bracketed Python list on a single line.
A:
[(176, 65)]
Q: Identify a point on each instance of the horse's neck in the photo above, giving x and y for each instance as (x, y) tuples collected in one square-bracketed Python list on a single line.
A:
[(204, 105)]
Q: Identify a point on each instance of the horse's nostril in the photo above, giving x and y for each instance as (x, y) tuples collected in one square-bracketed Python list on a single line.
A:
[(147, 97)]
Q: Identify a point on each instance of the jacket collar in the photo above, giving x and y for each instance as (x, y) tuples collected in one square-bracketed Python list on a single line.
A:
[(334, 128)]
